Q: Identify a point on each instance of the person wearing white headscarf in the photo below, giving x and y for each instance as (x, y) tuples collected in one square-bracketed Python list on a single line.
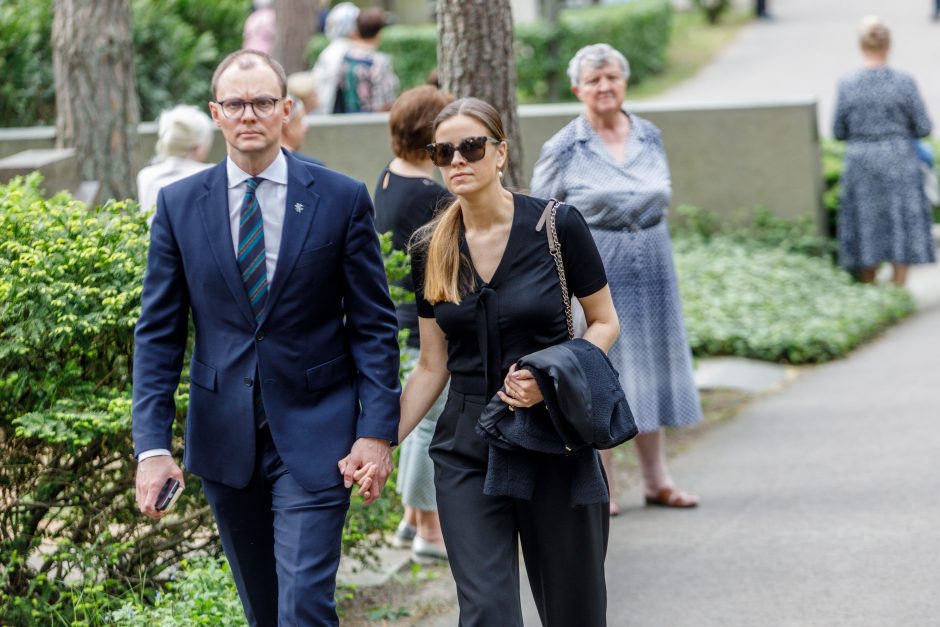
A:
[(184, 138), (340, 25)]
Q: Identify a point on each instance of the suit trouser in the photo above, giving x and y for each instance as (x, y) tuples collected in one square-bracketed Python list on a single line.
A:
[(563, 546), (282, 542)]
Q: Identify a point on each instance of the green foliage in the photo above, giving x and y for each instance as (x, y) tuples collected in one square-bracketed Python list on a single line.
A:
[(639, 29), (177, 44), (762, 228), (202, 592), (772, 292), (70, 280), (27, 93)]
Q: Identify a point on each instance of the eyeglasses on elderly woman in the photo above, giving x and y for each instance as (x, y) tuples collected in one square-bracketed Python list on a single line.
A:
[(471, 148)]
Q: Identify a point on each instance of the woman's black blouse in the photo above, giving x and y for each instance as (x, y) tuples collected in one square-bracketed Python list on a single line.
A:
[(521, 309), (403, 206)]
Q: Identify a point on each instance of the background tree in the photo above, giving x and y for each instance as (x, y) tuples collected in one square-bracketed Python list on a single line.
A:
[(296, 24), (96, 101), (475, 58)]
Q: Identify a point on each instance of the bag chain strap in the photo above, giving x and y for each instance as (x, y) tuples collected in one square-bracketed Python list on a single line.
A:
[(555, 248)]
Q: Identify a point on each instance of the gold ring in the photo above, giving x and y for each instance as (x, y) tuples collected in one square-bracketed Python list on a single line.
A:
[(511, 408)]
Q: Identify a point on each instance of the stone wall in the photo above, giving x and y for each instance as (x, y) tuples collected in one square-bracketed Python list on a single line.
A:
[(725, 158)]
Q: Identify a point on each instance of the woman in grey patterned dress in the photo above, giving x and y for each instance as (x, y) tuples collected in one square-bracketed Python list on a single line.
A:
[(612, 166), (884, 213)]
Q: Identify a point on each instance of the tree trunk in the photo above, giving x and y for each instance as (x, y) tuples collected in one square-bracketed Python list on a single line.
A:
[(475, 58), (296, 24), (96, 97)]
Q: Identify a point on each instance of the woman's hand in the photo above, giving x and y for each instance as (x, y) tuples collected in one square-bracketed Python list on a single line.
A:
[(521, 389)]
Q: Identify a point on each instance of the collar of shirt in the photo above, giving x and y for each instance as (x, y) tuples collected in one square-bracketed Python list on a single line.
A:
[(276, 172), (272, 196)]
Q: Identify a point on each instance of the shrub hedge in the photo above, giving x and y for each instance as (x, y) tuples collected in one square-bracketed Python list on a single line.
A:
[(640, 30), (774, 293)]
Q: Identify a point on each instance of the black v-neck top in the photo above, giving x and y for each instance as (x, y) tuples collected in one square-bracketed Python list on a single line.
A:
[(520, 310)]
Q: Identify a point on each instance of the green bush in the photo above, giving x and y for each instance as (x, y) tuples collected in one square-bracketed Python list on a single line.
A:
[(177, 44), (201, 593), (70, 284), (772, 292), (639, 29), (27, 92)]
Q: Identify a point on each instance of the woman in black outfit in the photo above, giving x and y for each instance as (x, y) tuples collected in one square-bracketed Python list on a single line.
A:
[(406, 198), (488, 294)]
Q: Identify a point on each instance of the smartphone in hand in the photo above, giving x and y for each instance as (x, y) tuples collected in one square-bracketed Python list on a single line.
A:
[(168, 495)]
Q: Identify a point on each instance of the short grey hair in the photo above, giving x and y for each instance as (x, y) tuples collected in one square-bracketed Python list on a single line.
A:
[(595, 56)]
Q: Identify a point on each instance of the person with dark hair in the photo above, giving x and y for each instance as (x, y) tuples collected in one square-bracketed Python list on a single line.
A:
[(367, 81), (406, 198), (488, 293), (276, 264)]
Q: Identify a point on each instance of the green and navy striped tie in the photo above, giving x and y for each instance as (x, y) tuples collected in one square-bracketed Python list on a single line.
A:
[(251, 261), (251, 257)]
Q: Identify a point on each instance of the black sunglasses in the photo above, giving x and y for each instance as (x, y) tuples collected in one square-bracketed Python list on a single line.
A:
[(471, 148)]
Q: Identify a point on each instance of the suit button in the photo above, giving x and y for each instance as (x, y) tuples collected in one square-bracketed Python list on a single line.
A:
[(248, 381), (260, 336)]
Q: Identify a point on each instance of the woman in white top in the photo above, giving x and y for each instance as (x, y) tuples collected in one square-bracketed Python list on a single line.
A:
[(184, 138)]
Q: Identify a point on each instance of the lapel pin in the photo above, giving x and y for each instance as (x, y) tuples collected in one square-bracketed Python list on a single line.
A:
[(298, 207)]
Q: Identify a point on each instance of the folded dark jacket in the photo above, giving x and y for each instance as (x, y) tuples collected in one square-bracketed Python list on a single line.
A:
[(584, 410)]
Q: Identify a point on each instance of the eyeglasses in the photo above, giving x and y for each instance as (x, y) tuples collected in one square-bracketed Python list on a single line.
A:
[(471, 148), (234, 108)]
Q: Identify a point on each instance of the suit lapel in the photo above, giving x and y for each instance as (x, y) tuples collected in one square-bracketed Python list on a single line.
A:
[(215, 216), (301, 207)]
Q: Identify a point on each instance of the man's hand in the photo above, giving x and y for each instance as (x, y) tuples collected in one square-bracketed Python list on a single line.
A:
[(369, 463), (152, 473)]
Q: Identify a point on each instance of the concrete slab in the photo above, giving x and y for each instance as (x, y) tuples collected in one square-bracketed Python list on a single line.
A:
[(391, 561), (738, 373)]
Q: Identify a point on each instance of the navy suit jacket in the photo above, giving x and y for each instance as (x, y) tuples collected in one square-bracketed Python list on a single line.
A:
[(326, 351)]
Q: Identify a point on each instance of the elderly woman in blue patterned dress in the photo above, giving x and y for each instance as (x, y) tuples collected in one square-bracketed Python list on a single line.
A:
[(884, 214), (611, 165)]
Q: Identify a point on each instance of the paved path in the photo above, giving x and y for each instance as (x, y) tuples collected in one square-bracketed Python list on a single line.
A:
[(820, 505), (805, 49)]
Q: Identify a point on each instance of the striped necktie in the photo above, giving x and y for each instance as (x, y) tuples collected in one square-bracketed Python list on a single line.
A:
[(251, 256), (251, 262)]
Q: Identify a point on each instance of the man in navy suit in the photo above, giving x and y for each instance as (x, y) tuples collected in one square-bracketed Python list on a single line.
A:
[(295, 362)]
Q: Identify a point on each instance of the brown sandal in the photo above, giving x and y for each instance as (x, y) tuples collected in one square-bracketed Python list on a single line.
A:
[(672, 497)]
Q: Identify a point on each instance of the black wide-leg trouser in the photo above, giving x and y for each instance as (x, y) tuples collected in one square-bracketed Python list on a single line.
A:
[(563, 546)]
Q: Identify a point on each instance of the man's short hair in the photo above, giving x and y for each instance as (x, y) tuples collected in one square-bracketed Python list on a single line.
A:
[(246, 59), (370, 22)]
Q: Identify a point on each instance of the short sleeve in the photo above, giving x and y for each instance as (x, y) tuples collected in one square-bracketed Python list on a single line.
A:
[(584, 268), (425, 309)]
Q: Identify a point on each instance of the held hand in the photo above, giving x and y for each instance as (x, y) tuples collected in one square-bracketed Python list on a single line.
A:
[(355, 467), (521, 389), (152, 473)]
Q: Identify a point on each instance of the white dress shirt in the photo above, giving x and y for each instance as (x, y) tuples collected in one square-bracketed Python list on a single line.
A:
[(272, 197)]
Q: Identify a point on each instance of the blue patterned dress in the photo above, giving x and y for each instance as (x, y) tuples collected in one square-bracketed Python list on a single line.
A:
[(625, 207), (884, 214)]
